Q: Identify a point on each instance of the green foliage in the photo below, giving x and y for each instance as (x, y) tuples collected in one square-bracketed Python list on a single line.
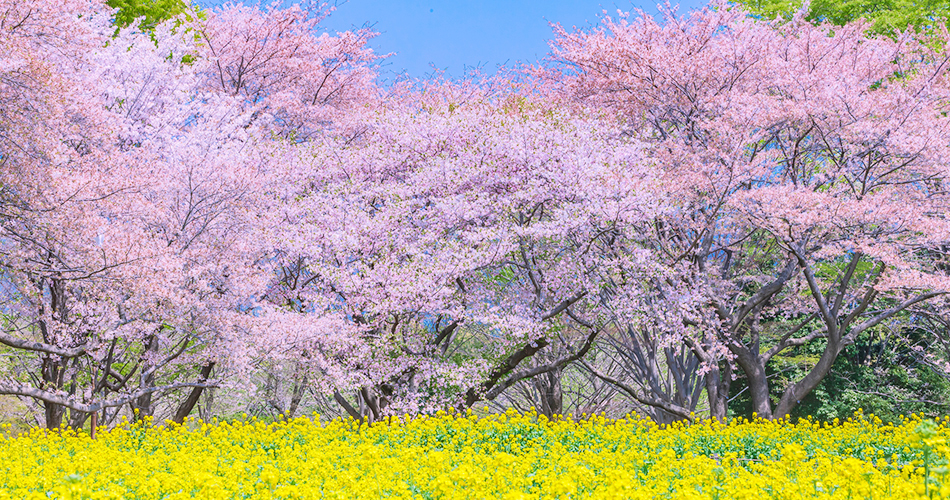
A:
[(898, 389), (878, 373), (887, 17), (153, 11)]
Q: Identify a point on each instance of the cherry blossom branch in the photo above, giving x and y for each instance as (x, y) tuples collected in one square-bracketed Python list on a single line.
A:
[(538, 370), (564, 305), (510, 363), (26, 345)]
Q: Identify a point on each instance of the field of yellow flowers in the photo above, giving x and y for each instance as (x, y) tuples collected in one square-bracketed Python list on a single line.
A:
[(499, 456)]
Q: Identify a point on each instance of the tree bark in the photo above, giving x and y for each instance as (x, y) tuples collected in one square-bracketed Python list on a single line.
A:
[(296, 396), (53, 371), (188, 405), (142, 406), (717, 391), (758, 382)]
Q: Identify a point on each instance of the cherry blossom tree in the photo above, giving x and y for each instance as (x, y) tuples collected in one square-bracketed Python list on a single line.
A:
[(130, 189), (229, 196), (808, 167), (458, 236), (52, 153), (288, 74)]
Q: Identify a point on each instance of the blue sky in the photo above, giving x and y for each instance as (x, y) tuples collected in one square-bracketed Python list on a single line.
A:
[(455, 35)]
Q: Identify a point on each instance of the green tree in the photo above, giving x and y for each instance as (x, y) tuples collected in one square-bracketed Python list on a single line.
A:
[(887, 17), (154, 11), (880, 373)]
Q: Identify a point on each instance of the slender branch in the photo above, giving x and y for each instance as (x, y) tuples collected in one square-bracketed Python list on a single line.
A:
[(843, 287), (816, 292), (892, 311), (765, 293), (787, 340)]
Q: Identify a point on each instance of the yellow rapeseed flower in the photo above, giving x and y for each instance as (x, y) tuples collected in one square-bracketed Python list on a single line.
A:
[(458, 455)]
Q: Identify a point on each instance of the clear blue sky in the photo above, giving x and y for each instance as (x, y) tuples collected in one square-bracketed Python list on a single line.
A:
[(455, 35)]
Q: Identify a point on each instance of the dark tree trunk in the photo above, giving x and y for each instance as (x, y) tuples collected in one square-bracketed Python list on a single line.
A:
[(188, 405), (54, 371), (758, 388)]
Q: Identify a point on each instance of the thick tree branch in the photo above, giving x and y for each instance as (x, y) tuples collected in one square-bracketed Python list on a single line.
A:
[(353, 412), (27, 345), (189, 403), (505, 367), (494, 392)]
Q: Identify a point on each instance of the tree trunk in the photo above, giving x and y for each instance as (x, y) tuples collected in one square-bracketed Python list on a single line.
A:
[(758, 388), (551, 398), (207, 410), (53, 371), (142, 406), (795, 392), (717, 391), (188, 405), (296, 396)]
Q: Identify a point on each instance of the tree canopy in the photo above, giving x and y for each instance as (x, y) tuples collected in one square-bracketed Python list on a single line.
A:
[(152, 12), (886, 17)]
